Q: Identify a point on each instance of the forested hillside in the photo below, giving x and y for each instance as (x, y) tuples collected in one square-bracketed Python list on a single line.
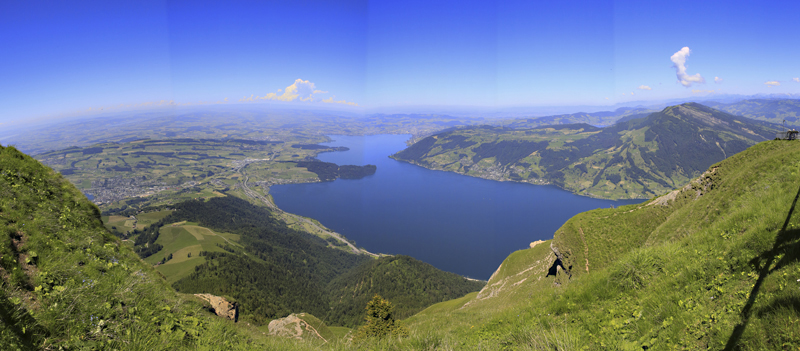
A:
[(636, 158), (410, 284), (281, 271)]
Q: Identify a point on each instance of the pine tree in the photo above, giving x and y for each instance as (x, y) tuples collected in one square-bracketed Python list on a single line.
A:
[(380, 320)]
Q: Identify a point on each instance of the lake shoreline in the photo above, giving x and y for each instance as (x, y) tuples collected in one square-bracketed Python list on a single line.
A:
[(464, 225)]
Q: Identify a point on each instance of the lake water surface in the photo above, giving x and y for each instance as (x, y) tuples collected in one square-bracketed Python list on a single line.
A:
[(457, 223)]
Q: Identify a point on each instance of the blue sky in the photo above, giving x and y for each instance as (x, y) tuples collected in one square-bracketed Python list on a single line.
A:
[(65, 57)]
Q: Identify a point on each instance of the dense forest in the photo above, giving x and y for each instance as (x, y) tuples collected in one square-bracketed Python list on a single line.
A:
[(410, 284), (281, 271), (327, 171), (145, 243), (319, 147)]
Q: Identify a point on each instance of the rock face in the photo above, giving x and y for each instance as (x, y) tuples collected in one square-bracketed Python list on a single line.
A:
[(222, 307), (292, 326)]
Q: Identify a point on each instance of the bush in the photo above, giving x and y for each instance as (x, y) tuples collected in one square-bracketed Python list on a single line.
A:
[(380, 321)]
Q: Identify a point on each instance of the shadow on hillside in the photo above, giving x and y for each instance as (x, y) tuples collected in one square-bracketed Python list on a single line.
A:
[(19, 323), (787, 247)]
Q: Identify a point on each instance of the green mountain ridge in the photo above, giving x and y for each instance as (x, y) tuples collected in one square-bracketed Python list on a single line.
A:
[(636, 158), (603, 118)]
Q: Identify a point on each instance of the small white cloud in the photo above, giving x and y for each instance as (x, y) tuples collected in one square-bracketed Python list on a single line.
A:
[(330, 101), (679, 62), (644, 87), (301, 90), (717, 80), (698, 91), (632, 93), (772, 83), (797, 80), (606, 98)]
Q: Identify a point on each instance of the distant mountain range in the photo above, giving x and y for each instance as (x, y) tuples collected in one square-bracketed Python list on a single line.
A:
[(641, 156), (770, 110)]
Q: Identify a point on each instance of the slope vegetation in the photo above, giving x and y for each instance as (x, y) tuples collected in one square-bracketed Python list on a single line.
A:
[(712, 265), (67, 283), (410, 284), (636, 158)]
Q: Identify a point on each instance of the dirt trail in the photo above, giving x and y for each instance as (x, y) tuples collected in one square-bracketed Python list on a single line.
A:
[(585, 249)]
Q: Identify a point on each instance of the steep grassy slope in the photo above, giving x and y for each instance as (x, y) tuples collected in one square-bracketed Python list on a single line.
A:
[(637, 158), (66, 282), (711, 265)]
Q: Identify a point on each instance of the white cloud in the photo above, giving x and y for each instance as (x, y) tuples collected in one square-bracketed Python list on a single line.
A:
[(772, 83), (301, 90), (698, 91), (631, 93), (796, 80), (679, 62), (717, 80), (606, 98), (644, 87), (330, 101)]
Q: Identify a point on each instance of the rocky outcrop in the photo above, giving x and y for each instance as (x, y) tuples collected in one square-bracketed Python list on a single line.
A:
[(221, 307), (697, 186), (293, 326), (561, 267)]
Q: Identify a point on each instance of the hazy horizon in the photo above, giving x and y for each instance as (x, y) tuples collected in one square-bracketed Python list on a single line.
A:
[(364, 57)]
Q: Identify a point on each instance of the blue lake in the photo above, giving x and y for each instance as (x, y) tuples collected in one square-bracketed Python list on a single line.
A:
[(457, 223)]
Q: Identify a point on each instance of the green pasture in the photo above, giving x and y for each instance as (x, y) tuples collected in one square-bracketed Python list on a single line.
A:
[(146, 219), (180, 240)]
